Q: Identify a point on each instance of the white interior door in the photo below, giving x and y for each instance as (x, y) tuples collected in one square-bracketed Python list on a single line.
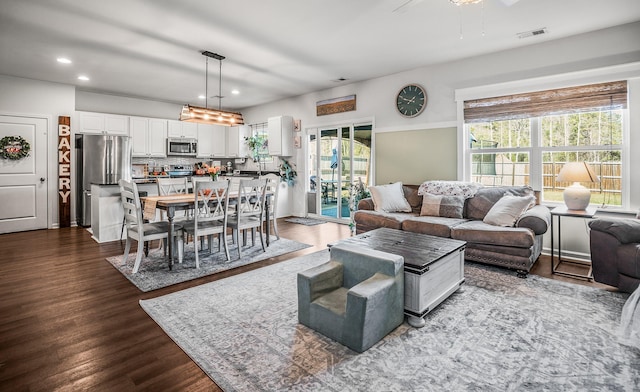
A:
[(23, 185)]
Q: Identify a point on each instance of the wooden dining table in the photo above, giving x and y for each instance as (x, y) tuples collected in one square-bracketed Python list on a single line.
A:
[(186, 201)]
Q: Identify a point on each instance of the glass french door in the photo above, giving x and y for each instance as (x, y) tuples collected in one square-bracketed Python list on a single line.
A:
[(338, 156)]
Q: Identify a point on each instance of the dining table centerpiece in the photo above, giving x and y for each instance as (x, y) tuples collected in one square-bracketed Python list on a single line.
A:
[(213, 171)]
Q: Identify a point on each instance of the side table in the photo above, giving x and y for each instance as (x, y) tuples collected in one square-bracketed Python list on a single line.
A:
[(558, 213)]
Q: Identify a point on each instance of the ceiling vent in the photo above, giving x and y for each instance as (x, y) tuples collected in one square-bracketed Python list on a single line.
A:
[(533, 33)]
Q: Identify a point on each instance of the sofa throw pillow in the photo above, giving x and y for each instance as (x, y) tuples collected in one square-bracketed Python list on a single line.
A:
[(508, 209), (389, 198), (478, 206), (450, 188), (441, 205)]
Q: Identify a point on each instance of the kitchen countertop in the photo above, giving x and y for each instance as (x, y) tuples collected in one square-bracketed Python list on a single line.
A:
[(150, 180), (244, 174)]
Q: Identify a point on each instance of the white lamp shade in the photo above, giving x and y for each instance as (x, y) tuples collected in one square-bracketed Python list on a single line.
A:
[(577, 172), (576, 196)]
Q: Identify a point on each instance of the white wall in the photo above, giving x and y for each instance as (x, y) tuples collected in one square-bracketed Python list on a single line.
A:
[(33, 97), (114, 104), (376, 97)]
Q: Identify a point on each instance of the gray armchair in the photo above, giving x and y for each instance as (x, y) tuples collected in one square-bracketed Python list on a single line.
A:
[(356, 298), (615, 252)]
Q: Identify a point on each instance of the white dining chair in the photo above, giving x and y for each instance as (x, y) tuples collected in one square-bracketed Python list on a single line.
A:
[(273, 186), (210, 215), (173, 186), (249, 212), (234, 183), (195, 179), (138, 230)]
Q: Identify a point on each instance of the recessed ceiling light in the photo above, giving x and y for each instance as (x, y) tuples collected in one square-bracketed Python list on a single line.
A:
[(83, 78), (235, 91), (63, 60), (201, 96)]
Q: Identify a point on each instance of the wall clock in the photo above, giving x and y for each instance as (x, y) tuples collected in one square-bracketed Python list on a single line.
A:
[(411, 100)]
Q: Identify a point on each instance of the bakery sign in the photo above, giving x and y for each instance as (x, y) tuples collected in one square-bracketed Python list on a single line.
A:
[(64, 170)]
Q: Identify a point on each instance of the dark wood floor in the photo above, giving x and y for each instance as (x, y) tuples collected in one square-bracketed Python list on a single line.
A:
[(70, 321)]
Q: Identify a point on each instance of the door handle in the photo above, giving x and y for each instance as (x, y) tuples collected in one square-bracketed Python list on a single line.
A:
[(42, 179)]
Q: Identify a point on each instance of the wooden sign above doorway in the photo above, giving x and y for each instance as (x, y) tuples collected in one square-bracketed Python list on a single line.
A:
[(336, 105)]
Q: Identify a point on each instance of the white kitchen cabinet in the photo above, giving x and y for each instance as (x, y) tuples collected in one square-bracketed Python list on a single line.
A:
[(116, 125), (182, 129), (157, 140), (280, 135), (211, 141), (148, 137), (236, 144), (100, 123), (91, 122)]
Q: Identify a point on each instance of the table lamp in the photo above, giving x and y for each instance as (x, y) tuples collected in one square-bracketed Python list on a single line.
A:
[(576, 196)]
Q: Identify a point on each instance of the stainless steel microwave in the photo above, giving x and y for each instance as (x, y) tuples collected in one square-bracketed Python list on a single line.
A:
[(182, 147)]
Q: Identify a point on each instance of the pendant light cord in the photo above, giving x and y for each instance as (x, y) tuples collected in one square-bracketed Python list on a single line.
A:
[(206, 83), (220, 86)]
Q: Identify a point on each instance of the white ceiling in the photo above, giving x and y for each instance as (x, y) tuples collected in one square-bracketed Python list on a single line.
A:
[(274, 48)]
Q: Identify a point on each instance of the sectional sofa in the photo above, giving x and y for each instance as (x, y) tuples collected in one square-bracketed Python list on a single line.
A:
[(514, 243)]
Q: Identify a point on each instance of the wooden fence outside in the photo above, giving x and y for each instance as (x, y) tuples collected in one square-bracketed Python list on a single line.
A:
[(517, 173)]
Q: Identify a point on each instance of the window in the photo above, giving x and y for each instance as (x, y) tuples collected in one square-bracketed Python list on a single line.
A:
[(258, 143), (525, 139)]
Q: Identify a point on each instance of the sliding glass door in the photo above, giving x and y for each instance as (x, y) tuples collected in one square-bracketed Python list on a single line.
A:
[(338, 156)]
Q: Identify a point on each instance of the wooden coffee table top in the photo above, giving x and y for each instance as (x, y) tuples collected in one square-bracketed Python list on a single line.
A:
[(418, 250)]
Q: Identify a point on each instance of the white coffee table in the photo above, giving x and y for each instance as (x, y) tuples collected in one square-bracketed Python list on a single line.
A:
[(433, 267)]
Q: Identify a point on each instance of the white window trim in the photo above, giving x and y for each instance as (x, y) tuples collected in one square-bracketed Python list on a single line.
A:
[(598, 75)]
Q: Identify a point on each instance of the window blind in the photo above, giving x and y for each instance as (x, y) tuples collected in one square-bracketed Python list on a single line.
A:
[(610, 95)]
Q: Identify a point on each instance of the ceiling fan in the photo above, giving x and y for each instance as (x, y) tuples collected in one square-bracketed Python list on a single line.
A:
[(508, 3), (410, 3)]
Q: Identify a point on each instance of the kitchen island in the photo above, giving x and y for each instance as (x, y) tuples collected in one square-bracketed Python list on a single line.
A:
[(106, 210)]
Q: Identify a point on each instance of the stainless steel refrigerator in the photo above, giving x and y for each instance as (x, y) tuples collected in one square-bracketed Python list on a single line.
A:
[(100, 160)]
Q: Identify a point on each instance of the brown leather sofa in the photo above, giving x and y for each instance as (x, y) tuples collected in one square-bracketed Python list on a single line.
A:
[(615, 252), (516, 248)]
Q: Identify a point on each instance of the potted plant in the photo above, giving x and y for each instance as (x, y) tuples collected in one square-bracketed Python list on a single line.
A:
[(357, 192), (255, 144), (287, 173)]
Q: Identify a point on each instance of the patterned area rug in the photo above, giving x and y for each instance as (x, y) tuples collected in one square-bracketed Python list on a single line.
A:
[(501, 333), (305, 221), (154, 270)]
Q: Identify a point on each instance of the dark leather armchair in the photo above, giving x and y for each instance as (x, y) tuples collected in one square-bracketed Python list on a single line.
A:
[(615, 252)]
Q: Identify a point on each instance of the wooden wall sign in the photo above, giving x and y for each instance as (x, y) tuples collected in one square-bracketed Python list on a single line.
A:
[(64, 171), (336, 105)]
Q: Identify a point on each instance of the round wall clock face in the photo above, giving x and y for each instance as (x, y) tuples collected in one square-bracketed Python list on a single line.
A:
[(411, 100)]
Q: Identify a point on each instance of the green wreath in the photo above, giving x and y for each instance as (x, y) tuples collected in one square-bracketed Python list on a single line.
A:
[(14, 147)]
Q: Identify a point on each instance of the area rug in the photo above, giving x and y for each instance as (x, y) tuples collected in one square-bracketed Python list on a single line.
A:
[(154, 271), (501, 333), (305, 221)]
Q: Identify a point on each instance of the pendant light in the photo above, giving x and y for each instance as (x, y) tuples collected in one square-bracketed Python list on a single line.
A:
[(205, 115)]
